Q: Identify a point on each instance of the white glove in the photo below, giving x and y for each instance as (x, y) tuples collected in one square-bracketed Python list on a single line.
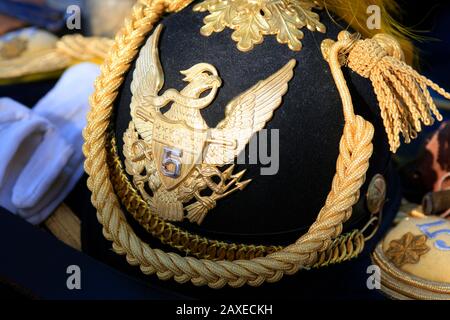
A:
[(50, 175), (21, 133)]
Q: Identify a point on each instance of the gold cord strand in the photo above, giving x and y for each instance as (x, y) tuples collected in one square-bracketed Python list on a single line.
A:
[(344, 248), (351, 166)]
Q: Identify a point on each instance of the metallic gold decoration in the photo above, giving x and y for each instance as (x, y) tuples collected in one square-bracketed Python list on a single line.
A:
[(13, 48), (168, 233), (251, 20), (327, 44), (49, 56), (345, 247), (399, 284), (355, 151), (376, 194), (407, 249), (176, 6), (176, 155), (302, 254)]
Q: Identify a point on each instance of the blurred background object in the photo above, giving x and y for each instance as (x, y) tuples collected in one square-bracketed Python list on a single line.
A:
[(63, 4), (30, 54), (31, 12), (424, 161), (431, 19), (41, 159), (106, 16), (9, 23), (98, 17)]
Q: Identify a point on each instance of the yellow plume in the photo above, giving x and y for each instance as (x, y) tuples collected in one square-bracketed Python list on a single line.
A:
[(354, 14)]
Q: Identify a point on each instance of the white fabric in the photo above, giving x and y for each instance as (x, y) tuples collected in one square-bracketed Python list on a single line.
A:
[(21, 133), (16, 125), (41, 171), (57, 163)]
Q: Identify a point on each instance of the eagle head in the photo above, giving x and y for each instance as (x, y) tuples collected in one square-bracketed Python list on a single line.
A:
[(202, 76)]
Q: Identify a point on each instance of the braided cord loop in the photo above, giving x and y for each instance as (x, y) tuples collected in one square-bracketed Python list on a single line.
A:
[(351, 166)]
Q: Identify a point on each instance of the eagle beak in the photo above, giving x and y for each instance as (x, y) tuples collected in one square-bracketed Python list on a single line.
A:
[(217, 81), (185, 73), (197, 69)]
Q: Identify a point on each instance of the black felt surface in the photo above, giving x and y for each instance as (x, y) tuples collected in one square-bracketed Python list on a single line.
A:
[(36, 265), (272, 209)]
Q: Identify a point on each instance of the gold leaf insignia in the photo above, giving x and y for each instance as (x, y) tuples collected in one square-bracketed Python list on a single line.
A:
[(251, 20), (250, 29), (407, 249)]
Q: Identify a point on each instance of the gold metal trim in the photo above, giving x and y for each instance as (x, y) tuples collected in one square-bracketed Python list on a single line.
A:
[(376, 194), (400, 284)]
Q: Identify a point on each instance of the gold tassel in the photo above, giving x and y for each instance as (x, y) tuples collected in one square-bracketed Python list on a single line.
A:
[(402, 92), (354, 14)]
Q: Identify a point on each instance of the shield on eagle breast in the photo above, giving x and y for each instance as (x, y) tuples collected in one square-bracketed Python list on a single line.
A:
[(177, 149)]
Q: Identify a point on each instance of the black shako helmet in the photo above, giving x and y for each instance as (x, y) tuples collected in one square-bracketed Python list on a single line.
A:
[(228, 145)]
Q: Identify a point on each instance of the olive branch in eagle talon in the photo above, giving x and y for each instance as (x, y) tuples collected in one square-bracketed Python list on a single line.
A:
[(229, 183), (174, 157)]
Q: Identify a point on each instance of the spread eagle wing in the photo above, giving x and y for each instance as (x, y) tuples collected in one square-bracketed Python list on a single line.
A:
[(148, 79), (247, 114)]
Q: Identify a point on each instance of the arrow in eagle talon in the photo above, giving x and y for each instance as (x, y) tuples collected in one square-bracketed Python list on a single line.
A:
[(236, 177), (243, 184), (239, 186), (227, 173)]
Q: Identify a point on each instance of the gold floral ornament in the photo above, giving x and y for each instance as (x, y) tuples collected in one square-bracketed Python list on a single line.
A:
[(407, 249), (253, 19)]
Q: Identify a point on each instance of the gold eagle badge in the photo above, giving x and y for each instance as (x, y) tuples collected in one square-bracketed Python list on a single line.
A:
[(174, 157)]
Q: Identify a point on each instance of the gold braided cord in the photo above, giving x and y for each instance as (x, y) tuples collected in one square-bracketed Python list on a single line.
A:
[(345, 247), (402, 284), (351, 166)]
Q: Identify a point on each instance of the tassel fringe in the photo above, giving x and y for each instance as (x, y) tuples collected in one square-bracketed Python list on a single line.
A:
[(403, 94)]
